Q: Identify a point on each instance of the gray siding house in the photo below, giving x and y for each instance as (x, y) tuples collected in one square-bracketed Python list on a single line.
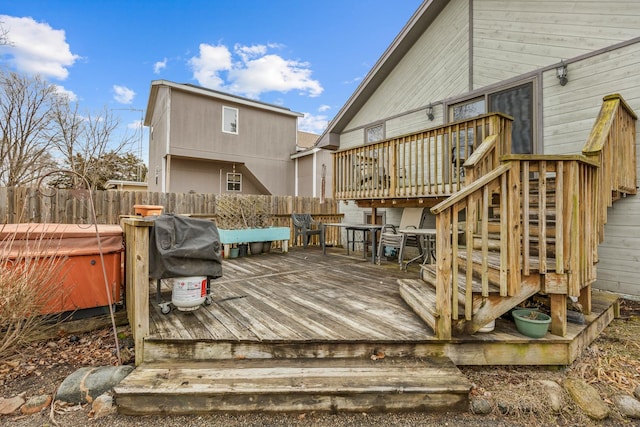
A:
[(546, 64), (205, 141)]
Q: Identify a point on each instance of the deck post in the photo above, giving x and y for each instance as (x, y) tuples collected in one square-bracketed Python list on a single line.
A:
[(558, 314), (136, 235)]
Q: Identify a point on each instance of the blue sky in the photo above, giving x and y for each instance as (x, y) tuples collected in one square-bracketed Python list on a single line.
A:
[(308, 56)]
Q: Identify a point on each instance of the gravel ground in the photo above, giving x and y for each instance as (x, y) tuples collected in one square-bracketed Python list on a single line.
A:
[(611, 364)]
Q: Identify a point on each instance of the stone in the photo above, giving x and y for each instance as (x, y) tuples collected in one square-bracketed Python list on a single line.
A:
[(9, 406), (85, 384), (103, 406), (587, 398), (480, 406), (555, 394), (627, 405), (636, 392), (35, 404)]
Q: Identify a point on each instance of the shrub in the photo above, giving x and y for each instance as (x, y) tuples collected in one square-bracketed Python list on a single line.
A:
[(30, 280)]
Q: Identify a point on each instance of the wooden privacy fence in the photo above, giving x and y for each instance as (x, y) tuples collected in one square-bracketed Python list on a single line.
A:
[(37, 205)]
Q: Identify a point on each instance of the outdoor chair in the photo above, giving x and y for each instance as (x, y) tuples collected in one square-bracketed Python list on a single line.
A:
[(305, 226), (390, 237)]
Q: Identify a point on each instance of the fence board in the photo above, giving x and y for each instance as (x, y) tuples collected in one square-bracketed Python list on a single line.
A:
[(27, 204)]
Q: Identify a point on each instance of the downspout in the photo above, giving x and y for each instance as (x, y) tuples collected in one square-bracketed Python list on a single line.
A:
[(295, 180), (315, 171)]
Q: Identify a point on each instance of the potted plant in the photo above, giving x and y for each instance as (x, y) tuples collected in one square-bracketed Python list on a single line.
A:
[(531, 322)]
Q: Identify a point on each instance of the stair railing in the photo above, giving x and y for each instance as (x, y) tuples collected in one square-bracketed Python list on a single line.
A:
[(585, 185), (612, 144)]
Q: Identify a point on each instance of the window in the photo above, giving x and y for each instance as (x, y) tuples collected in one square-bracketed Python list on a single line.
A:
[(374, 133), (234, 182), (515, 101), (230, 120), (518, 103)]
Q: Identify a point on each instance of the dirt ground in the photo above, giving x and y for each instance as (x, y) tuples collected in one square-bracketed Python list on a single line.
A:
[(611, 364)]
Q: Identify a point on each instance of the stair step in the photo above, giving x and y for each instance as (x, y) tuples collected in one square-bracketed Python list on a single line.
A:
[(429, 276), (421, 297), (290, 385)]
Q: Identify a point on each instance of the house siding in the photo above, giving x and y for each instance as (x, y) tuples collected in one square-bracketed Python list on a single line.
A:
[(158, 141), (512, 37), (188, 125), (439, 58), (570, 111)]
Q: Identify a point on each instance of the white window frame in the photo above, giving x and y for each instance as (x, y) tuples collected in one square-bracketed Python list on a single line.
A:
[(232, 183), (227, 110), (380, 126)]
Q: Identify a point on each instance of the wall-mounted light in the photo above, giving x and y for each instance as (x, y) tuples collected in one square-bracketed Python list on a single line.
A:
[(561, 73), (430, 112)]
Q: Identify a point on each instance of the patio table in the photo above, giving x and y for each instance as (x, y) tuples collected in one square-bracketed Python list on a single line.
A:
[(373, 229), (427, 241)]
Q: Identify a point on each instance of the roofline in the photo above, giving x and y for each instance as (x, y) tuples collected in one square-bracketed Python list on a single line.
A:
[(304, 153), (412, 31), (198, 90)]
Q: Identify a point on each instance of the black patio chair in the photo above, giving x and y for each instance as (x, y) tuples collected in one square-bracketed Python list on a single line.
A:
[(305, 226)]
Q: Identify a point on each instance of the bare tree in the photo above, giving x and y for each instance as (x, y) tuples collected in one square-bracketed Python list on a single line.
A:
[(25, 128), (4, 36), (88, 143)]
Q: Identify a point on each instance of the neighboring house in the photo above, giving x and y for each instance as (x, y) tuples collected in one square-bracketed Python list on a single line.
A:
[(116, 184), (205, 141), (546, 64), (313, 168)]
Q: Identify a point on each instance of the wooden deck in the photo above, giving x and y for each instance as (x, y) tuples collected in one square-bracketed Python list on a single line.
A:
[(305, 304)]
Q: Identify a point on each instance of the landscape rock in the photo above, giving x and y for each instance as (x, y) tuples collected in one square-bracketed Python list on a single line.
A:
[(587, 398), (35, 404), (85, 384), (103, 406), (627, 405), (555, 393), (480, 406), (9, 406)]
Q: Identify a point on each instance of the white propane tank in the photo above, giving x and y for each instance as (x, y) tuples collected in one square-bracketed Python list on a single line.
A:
[(189, 293)]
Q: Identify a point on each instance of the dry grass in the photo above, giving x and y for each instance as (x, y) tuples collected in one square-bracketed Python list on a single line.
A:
[(611, 364), (30, 280)]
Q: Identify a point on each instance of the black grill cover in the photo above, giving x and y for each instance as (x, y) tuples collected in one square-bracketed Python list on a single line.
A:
[(181, 246)]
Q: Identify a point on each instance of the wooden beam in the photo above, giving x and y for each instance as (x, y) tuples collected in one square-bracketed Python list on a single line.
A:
[(558, 314)]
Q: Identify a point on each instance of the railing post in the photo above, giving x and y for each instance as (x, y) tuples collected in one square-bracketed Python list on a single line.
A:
[(443, 275), (136, 235)]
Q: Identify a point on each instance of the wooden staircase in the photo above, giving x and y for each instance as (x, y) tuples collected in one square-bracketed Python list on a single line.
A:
[(527, 224), (293, 385)]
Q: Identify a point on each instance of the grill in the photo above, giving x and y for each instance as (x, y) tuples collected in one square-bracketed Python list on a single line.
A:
[(184, 249)]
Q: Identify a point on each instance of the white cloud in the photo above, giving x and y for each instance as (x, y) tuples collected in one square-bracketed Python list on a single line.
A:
[(136, 125), (313, 123), (36, 48), (123, 94), (60, 90), (207, 66), (254, 72), (324, 108), (159, 66)]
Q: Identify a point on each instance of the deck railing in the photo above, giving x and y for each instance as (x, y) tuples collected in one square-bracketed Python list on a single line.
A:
[(428, 163), (573, 190)]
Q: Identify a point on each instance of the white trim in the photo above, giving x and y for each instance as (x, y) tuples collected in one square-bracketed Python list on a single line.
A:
[(163, 177), (224, 97), (296, 177), (315, 177), (305, 153)]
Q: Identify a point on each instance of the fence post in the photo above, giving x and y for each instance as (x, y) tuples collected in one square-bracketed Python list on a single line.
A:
[(136, 235)]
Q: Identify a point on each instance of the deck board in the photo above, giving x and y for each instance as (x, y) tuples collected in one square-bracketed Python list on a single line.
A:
[(302, 295), (306, 304)]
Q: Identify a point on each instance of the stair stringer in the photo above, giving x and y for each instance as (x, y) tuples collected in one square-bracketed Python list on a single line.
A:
[(491, 307)]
